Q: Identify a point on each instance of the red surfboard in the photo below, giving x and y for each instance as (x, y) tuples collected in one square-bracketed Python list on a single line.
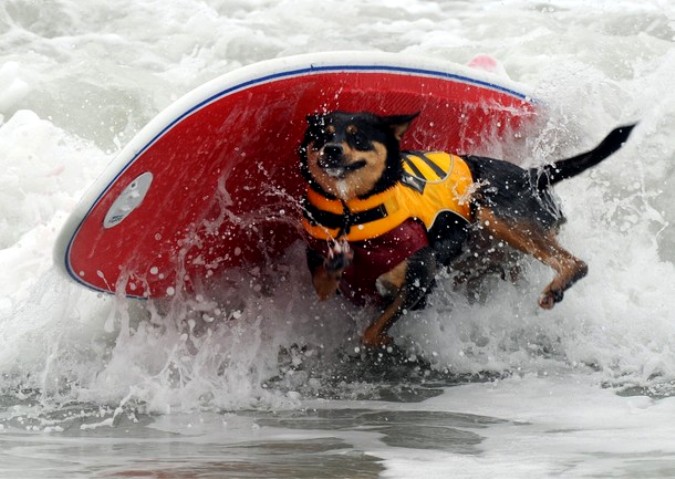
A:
[(212, 182)]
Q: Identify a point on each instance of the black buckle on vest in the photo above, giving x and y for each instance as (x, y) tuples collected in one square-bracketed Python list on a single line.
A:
[(413, 182), (344, 222)]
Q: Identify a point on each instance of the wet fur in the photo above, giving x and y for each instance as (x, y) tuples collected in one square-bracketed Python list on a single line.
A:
[(346, 155)]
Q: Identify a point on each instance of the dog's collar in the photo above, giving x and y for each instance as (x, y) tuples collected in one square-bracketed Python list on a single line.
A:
[(432, 182)]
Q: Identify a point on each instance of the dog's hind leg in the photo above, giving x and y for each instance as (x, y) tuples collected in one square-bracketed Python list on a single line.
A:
[(407, 284), (532, 238)]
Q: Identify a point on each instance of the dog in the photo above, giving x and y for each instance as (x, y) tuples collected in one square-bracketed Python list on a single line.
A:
[(381, 222)]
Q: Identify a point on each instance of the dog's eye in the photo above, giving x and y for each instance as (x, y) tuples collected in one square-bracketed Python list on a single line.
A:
[(360, 141)]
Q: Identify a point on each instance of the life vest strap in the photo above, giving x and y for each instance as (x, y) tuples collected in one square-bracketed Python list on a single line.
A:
[(342, 222)]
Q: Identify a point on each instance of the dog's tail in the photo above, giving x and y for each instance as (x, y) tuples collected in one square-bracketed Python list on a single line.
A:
[(551, 174)]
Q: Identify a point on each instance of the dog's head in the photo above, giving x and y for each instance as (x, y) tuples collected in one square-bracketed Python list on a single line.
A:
[(353, 155)]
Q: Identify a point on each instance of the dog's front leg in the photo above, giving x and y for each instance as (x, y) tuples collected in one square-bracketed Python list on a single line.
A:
[(407, 284), (327, 270)]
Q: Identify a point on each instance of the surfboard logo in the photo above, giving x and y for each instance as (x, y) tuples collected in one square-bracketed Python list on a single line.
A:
[(131, 198)]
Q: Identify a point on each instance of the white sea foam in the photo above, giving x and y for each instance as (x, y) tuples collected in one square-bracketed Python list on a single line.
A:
[(78, 79)]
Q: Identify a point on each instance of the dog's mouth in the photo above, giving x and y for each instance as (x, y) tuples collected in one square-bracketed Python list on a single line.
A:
[(341, 171)]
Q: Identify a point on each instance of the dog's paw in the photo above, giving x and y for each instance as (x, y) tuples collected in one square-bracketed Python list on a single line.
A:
[(375, 340), (548, 299), (340, 256)]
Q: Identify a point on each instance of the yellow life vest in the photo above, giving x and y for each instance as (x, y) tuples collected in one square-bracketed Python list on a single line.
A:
[(433, 182)]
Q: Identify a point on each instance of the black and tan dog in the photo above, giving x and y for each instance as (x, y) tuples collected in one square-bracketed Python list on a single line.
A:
[(381, 222)]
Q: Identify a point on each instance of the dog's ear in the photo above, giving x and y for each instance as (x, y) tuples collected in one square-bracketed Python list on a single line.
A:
[(400, 123)]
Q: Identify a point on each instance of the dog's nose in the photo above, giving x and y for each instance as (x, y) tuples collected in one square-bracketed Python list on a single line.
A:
[(332, 153)]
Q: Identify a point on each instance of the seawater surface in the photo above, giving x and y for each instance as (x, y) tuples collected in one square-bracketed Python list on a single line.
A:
[(262, 381)]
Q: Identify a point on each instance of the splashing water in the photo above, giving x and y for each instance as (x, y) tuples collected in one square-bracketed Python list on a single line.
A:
[(78, 80)]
